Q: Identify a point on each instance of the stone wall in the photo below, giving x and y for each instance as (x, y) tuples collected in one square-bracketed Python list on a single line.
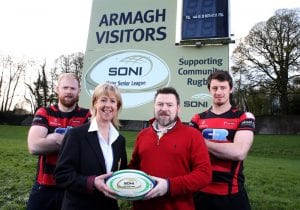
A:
[(278, 125), (264, 125)]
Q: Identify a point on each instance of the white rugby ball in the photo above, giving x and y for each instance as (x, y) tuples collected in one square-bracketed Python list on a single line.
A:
[(130, 184)]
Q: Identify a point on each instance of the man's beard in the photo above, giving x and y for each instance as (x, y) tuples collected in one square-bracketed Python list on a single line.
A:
[(69, 102), (165, 121), (219, 103)]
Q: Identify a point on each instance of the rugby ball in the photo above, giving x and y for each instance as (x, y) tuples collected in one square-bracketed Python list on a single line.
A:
[(130, 184)]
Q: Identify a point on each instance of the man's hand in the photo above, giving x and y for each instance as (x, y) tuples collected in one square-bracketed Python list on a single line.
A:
[(160, 189)]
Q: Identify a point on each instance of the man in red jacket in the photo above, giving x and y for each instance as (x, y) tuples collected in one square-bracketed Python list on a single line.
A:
[(174, 154)]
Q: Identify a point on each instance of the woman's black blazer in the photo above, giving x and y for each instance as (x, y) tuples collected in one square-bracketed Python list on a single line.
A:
[(81, 156)]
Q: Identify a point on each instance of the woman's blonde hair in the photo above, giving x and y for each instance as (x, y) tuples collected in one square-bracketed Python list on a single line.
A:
[(109, 90)]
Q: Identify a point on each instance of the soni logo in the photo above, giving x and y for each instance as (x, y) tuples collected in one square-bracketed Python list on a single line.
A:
[(198, 100), (129, 183), (137, 73)]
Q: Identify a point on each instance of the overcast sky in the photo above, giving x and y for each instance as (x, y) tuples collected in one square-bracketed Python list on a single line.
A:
[(50, 28)]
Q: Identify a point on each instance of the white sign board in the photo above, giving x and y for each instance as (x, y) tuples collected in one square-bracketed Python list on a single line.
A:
[(132, 43)]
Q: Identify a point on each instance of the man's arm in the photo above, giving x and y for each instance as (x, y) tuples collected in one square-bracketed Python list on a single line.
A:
[(41, 143), (237, 150)]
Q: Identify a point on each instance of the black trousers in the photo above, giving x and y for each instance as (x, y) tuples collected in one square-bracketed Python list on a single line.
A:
[(238, 201), (45, 198)]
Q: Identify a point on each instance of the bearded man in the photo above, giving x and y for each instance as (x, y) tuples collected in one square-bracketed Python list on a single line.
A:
[(45, 137), (174, 154)]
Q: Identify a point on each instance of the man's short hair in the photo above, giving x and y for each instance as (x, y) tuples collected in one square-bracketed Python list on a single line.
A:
[(68, 75), (221, 76), (168, 90)]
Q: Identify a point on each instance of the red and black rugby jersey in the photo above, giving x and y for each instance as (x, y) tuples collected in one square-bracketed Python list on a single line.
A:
[(51, 118), (228, 177)]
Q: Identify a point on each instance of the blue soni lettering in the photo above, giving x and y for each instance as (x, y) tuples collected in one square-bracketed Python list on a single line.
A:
[(195, 104), (125, 71)]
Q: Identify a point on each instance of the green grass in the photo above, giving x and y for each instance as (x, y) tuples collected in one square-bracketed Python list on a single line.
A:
[(17, 167), (272, 170)]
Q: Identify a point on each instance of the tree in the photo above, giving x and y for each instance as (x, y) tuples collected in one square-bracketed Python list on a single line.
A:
[(39, 90), (70, 63), (42, 89), (12, 71), (271, 56), (29, 83)]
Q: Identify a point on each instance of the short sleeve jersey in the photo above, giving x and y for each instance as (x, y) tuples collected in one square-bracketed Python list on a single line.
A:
[(51, 118), (228, 177)]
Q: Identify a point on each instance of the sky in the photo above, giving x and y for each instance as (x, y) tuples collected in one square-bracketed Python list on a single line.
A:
[(50, 28)]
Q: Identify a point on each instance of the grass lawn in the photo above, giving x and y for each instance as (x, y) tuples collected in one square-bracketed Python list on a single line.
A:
[(272, 170)]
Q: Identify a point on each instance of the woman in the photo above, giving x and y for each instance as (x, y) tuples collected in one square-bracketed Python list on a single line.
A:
[(90, 153)]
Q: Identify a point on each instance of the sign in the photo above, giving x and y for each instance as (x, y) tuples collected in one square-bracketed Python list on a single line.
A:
[(131, 43), (205, 19)]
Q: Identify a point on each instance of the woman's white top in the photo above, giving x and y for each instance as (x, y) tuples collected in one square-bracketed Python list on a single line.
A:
[(105, 145)]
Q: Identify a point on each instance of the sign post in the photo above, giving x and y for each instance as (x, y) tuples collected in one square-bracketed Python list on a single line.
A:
[(135, 45)]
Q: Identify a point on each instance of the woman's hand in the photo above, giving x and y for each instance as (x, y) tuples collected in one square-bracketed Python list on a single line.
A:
[(100, 185)]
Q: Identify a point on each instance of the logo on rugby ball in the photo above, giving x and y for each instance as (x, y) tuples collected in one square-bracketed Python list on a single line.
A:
[(130, 184), (137, 73)]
